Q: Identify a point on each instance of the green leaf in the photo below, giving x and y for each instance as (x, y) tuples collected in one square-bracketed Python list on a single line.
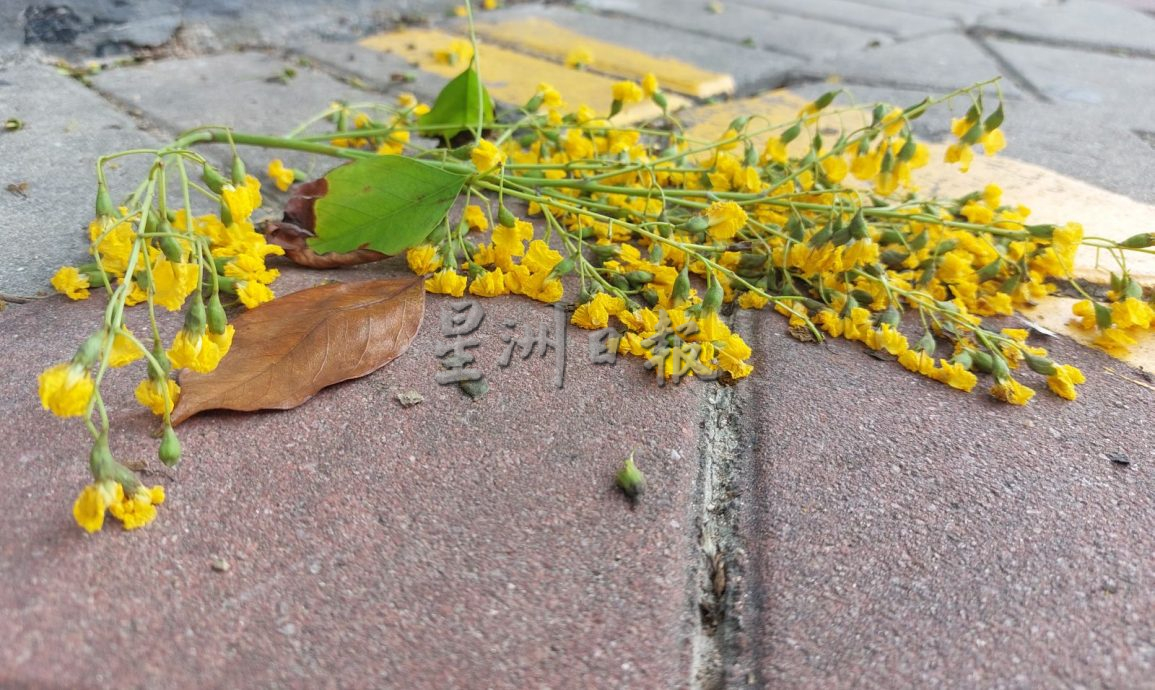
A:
[(457, 107), (387, 204)]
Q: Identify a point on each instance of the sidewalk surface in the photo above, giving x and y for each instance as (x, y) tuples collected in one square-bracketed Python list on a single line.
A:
[(829, 522)]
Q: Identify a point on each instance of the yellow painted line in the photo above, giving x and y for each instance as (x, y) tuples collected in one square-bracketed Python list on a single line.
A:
[(1052, 198), (543, 37), (511, 77)]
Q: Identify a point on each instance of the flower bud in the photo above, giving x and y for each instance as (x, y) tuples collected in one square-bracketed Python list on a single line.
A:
[(990, 271), (169, 452), (563, 268), (100, 460), (168, 244), (651, 297), (999, 368), (615, 107), (982, 361), (681, 290), (713, 298), (1040, 365), (1045, 232), (994, 119), (1103, 316), (534, 103), (858, 228), (194, 318), (217, 320), (506, 217), (87, 353), (618, 280), (739, 123), (630, 479), (791, 134), (212, 179), (697, 224), (659, 100), (926, 343), (104, 205), (639, 277), (1140, 241)]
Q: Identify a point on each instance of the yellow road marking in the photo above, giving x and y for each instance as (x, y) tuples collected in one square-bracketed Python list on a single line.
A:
[(542, 37), (1052, 198), (512, 77)]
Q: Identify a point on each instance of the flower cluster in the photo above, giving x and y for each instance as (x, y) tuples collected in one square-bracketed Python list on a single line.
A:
[(827, 232), (149, 252)]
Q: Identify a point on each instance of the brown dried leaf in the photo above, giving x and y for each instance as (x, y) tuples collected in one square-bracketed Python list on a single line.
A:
[(293, 231), (288, 349)]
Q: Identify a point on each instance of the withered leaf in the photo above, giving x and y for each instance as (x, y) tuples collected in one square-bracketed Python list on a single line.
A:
[(286, 350), (292, 232)]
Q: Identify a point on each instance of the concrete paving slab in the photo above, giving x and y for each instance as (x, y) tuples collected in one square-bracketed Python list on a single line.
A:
[(1113, 84), (945, 62), (239, 90), (66, 128), (902, 534), (893, 22), (450, 544), (751, 68), (1085, 23), (384, 72), (958, 10), (782, 33)]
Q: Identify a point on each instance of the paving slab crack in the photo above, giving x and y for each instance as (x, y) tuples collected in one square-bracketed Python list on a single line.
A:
[(718, 573), (1010, 72)]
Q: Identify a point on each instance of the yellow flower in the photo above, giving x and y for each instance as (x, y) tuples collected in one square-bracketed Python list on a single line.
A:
[(597, 312), (1115, 341), (1013, 392), (250, 267), (993, 142), (579, 57), (254, 293), (1085, 310), (423, 259), (281, 176), (71, 282), (726, 218), (158, 396), (66, 389), (550, 97), (201, 353), (124, 351), (1064, 380), (956, 376), (446, 282), (93, 501), (457, 52), (474, 216), (535, 285), (540, 258), (889, 339), (627, 92), (866, 166), (960, 153), (892, 123), (394, 143), (1132, 312), (732, 353), (650, 84), (489, 284), (242, 201), (486, 156), (173, 282), (752, 300), (511, 240), (775, 151), (139, 509), (918, 361), (835, 168)]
